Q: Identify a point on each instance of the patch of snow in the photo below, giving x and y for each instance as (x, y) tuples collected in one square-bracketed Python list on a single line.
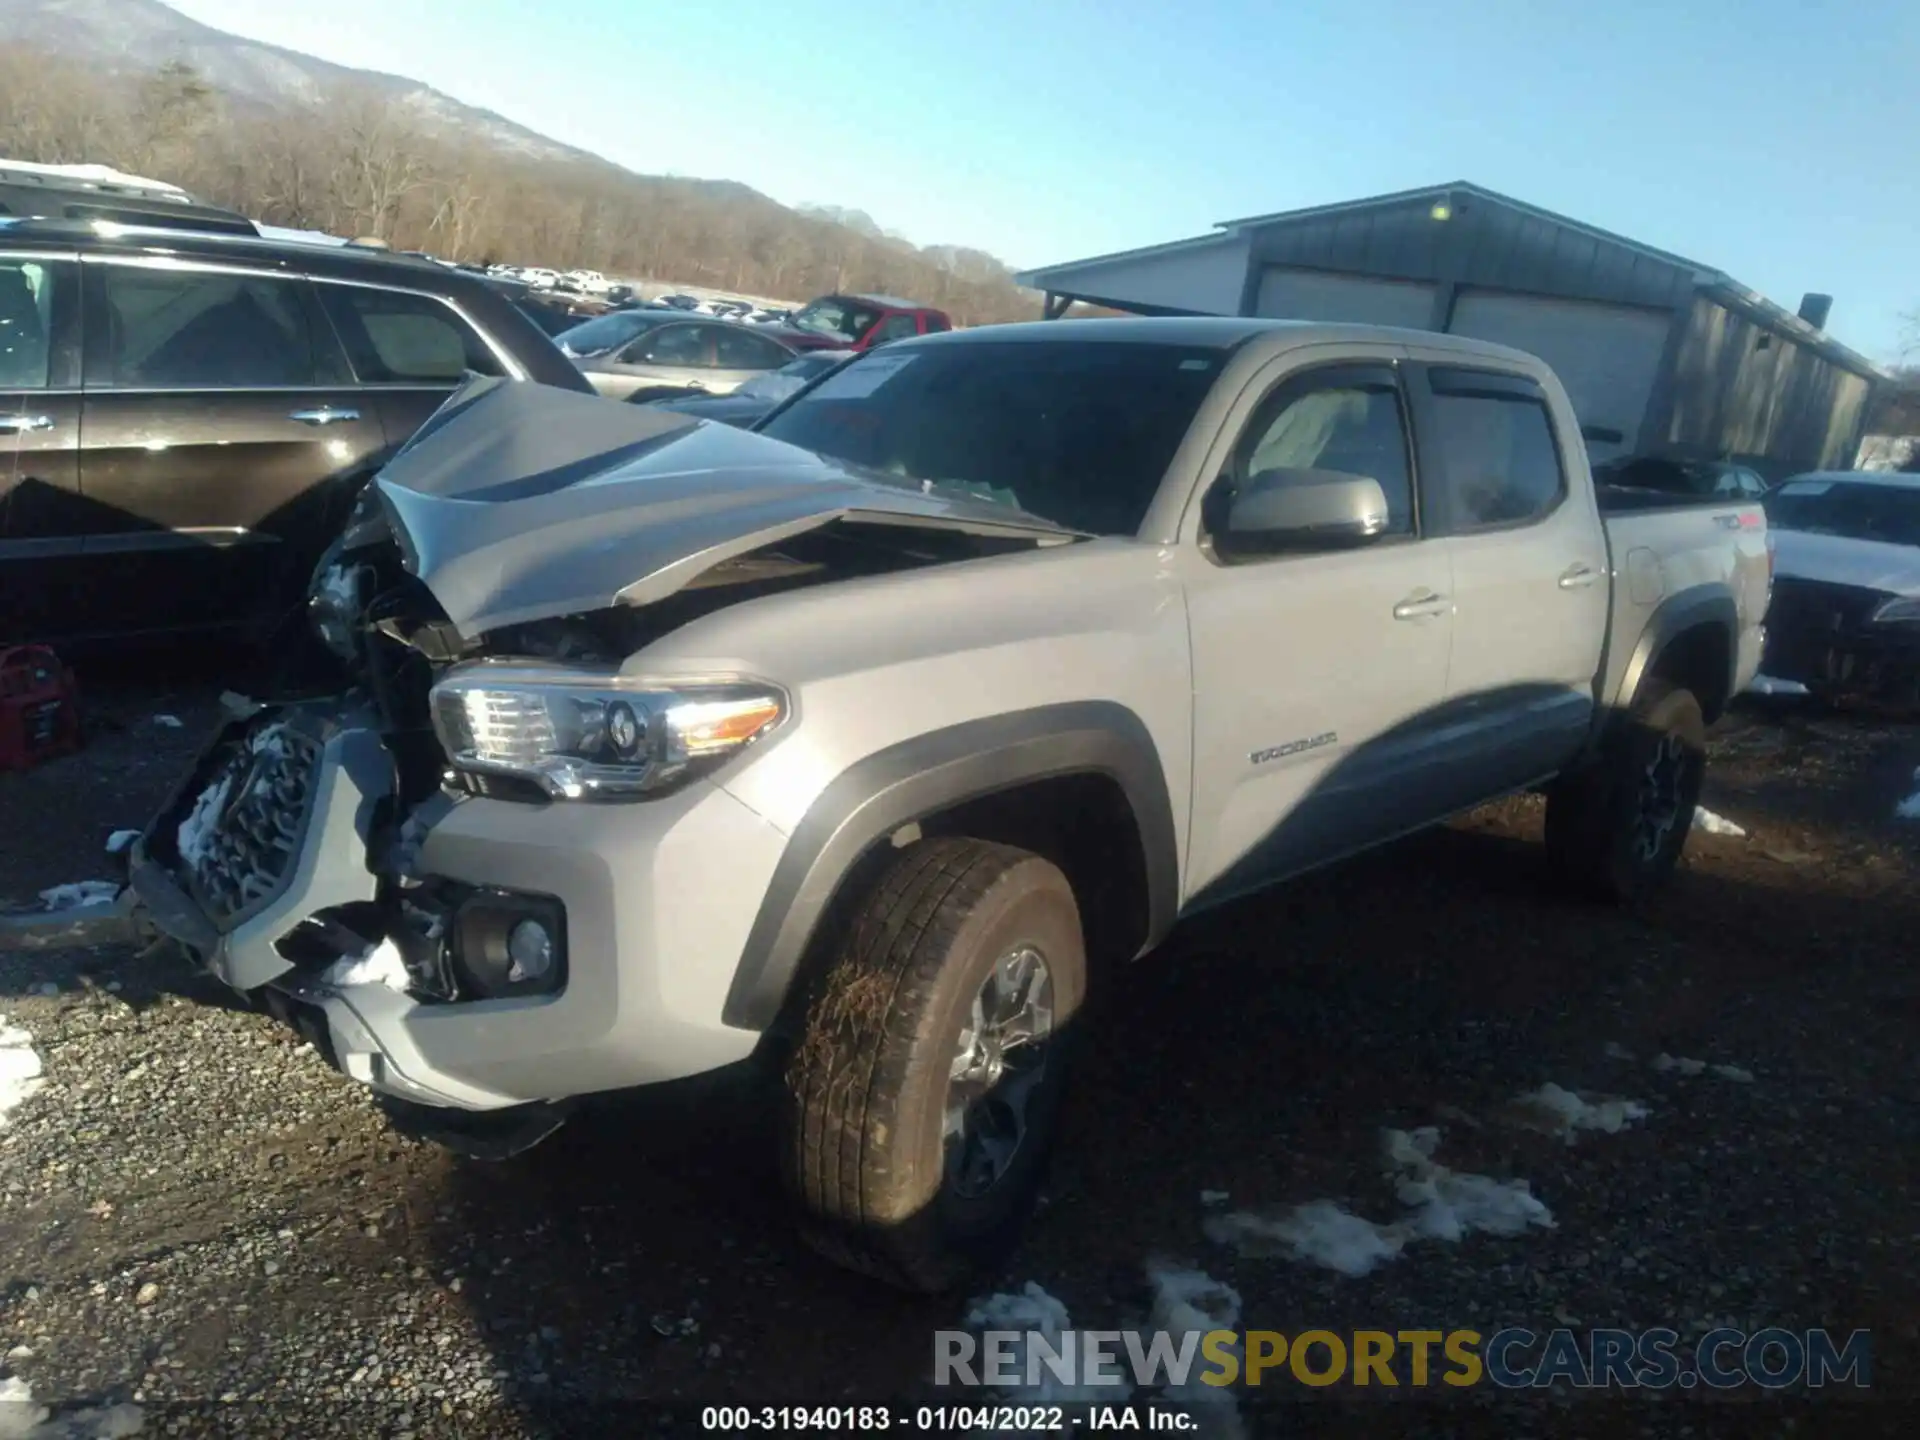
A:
[(1664, 1062), (19, 1416), (1214, 1197), (1320, 1232), (20, 1077), (1682, 1065), (1769, 685), (380, 964), (1705, 819), (1442, 1203), (196, 831), (119, 840), (1561, 1112), (1186, 1302), (1031, 1313), (22, 1419), (1448, 1205), (78, 892), (1909, 808), (1616, 1051), (168, 722)]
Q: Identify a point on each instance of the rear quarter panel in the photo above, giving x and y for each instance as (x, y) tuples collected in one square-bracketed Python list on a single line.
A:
[(1660, 554)]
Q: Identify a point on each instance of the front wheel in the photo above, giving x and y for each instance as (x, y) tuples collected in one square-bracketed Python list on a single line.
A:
[(922, 1096), (1616, 829)]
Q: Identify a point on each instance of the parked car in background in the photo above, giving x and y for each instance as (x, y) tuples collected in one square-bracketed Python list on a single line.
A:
[(885, 732), (1694, 479), (553, 319), (186, 413), (677, 302), (1846, 588), (756, 398), (676, 354), (591, 282), (540, 279), (858, 322)]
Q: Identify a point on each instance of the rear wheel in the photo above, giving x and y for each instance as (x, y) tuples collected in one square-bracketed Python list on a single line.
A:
[(922, 1096), (1615, 830)]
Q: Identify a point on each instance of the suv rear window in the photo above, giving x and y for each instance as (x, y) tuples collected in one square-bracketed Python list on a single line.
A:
[(396, 338)]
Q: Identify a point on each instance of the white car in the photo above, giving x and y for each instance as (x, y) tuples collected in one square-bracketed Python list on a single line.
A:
[(590, 281), (540, 279)]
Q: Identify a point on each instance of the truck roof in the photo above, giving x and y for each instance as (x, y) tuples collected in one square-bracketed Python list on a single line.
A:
[(1217, 332)]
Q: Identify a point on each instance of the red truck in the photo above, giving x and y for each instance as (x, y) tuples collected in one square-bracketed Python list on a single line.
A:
[(857, 322)]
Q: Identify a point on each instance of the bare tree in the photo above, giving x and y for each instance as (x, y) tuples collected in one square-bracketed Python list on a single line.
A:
[(357, 162)]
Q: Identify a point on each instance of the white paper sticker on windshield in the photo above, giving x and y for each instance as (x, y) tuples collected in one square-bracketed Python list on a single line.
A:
[(1805, 487), (861, 378)]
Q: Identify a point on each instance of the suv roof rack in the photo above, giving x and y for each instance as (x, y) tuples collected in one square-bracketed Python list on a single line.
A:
[(99, 192)]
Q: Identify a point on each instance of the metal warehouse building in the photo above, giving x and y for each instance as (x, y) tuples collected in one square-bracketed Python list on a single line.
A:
[(1661, 355)]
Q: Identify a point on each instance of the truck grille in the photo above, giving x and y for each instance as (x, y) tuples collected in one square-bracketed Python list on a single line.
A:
[(238, 842)]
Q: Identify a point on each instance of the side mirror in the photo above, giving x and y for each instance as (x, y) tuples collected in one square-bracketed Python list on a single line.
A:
[(1296, 509)]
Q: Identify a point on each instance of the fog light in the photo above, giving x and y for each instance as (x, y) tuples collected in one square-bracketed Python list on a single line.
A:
[(506, 943), (529, 952)]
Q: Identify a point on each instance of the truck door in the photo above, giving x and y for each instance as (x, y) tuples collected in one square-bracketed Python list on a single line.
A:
[(41, 515), (1530, 581), (1317, 670)]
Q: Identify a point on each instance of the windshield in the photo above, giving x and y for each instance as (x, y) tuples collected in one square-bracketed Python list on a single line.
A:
[(607, 332), (842, 319), (1076, 432), (1889, 514)]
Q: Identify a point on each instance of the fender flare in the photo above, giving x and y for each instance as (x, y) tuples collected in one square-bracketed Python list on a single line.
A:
[(1686, 610), (874, 797)]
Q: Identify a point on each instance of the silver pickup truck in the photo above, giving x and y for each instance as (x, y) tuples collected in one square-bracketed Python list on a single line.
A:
[(865, 743)]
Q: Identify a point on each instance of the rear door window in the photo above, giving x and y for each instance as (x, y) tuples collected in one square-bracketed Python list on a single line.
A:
[(1499, 461), (396, 337), (195, 330)]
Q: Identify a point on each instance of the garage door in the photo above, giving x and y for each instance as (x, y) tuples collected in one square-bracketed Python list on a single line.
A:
[(1315, 295), (1606, 355)]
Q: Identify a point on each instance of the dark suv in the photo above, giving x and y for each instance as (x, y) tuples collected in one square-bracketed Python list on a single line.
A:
[(187, 410)]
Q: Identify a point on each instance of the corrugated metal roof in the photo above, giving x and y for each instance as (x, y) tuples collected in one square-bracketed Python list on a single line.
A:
[(1537, 246)]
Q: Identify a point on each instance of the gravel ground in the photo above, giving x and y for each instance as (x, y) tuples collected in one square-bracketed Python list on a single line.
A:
[(203, 1221)]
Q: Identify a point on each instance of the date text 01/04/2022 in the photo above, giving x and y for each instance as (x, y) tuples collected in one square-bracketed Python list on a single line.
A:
[(939, 1419)]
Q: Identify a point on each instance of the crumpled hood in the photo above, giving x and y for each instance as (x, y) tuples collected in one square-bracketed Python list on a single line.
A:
[(519, 502), (1838, 560)]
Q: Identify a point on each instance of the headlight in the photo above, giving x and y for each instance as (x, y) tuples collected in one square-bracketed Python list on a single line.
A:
[(589, 735), (1902, 611)]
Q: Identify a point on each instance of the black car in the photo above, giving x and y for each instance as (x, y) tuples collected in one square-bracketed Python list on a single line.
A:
[(186, 412)]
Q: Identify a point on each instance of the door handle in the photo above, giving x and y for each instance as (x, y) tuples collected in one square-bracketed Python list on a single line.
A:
[(20, 424), (325, 415), (1578, 577), (1422, 607)]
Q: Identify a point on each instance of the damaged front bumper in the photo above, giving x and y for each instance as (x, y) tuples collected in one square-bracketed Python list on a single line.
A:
[(289, 849)]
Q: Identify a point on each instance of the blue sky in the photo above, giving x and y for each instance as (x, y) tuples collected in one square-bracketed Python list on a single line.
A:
[(1774, 139)]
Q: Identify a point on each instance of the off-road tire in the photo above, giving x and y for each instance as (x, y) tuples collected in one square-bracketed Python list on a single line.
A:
[(866, 1083), (1597, 826)]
